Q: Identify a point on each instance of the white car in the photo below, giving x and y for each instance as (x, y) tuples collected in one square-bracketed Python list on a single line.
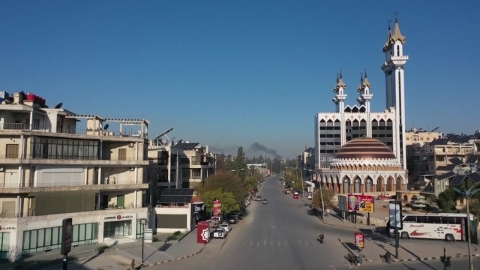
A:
[(226, 227), (309, 196), (219, 233)]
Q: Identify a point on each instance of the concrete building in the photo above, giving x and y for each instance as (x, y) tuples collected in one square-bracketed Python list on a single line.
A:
[(260, 168), (433, 159), (416, 139), (335, 129), (180, 164), (307, 162), (364, 165), (51, 169)]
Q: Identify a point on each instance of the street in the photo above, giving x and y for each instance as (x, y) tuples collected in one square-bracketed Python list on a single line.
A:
[(278, 235)]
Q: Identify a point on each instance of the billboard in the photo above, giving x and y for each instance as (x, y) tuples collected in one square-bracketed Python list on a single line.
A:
[(67, 236), (217, 207), (359, 240), (360, 203), (395, 214), (203, 232)]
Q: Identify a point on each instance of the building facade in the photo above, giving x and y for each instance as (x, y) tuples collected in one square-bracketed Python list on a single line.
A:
[(364, 165), (178, 164), (334, 129), (51, 169)]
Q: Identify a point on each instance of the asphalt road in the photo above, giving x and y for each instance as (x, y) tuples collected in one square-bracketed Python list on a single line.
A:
[(282, 235), (278, 235)]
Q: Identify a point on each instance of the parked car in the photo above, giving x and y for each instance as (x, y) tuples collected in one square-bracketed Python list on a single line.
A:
[(219, 233), (226, 227), (232, 218), (265, 201), (309, 196), (295, 196)]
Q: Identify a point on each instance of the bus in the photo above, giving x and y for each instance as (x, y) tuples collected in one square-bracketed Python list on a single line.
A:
[(446, 226)]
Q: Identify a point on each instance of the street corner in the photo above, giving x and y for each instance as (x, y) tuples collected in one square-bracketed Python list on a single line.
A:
[(354, 251), (174, 260)]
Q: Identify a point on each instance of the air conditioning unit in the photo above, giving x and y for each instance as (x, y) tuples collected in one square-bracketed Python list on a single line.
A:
[(131, 169), (130, 145), (2, 169)]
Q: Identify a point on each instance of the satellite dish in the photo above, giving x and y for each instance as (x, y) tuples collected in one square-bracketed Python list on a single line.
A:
[(59, 105), (105, 127)]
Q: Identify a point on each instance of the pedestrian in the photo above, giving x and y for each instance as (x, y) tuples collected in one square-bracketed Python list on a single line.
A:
[(388, 257), (320, 238), (132, 265)]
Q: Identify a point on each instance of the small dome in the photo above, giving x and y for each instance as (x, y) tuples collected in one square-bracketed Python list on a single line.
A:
[(365, 148)]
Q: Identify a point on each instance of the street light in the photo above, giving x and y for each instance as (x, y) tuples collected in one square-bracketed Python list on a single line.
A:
[(321, 196), (143, 223), (461, 171)]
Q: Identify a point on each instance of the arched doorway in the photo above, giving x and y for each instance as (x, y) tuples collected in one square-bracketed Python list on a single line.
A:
[(399, 183), (358, 185), (369, 185), (346, 184), (390, 184)]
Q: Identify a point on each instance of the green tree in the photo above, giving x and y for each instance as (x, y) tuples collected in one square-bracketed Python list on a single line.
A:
[(328, 196), (251, 183), (226, 198), (226, 182), (239, 164), (446, 200)]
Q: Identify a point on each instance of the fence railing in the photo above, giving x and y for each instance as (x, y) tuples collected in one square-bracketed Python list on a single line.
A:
[(68, 157), (69, 130)]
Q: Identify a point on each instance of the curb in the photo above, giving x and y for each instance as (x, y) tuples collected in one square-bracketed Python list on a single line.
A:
[(173, 260), (434, 258), (351, 252)]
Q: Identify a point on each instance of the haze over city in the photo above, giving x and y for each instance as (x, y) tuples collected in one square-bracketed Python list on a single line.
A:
[(238, 73)]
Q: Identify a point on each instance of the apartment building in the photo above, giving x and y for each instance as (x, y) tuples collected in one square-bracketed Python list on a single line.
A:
[(426, 160), (307, 161), (415, 140), (179, 164), (51, 168)]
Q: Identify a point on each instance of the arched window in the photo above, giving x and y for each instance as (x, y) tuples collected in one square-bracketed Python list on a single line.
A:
[(358, 184), (398, 50), (369, 184)]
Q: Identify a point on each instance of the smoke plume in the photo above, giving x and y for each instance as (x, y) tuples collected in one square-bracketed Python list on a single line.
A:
[(227, 150), (262, 148)]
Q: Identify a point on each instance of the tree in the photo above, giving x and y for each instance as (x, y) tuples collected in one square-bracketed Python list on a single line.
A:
[(239, 164), (226, 198), (227, 182), (446, 200), (328, 196), (297, 185), (250, 183)]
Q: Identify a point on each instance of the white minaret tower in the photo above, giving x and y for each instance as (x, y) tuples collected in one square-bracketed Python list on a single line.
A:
[(339, 101), (395, 85), (364, 99)]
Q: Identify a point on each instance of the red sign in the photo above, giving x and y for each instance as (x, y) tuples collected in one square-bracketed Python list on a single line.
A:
[(217, 207), (361, 203), (203, 232), (359, 240)]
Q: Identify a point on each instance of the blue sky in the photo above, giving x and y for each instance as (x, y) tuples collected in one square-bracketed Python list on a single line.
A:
[(230, 73)]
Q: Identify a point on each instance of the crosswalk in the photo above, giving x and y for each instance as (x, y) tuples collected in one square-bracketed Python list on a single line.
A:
[(278, 243)]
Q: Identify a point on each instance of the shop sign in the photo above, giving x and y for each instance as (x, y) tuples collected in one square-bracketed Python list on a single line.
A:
[(118, 217), (6, 228), (361, 203)]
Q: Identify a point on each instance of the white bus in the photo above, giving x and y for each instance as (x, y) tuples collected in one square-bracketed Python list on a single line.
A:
[(448, 226)]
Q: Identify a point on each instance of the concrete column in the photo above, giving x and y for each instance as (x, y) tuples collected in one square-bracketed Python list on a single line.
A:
[(28, 177), (91, 176), (99, 176)]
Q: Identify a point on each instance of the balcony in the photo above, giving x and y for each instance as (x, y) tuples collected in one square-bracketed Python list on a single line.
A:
[(19, 128), (110, 183), (14, 158)]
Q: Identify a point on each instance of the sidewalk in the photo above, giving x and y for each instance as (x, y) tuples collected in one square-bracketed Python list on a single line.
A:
[(115, 257), (376, 245)]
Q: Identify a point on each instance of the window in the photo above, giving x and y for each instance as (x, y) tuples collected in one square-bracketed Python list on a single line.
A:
[(12, 151), (50, 238), (122, 154), (4, 245), (52, 148), (410, 219), (435, 220)]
